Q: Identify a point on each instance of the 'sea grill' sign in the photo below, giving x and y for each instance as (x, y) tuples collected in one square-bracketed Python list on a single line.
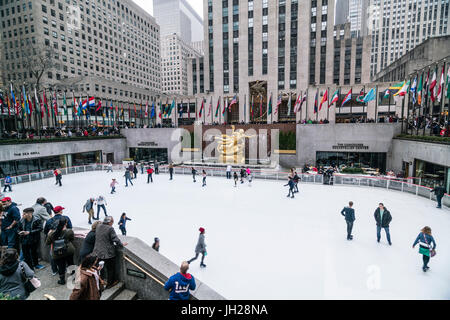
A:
[(350, 146)]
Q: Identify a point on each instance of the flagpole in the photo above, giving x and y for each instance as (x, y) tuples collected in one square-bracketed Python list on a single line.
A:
[(376, 103), (306, 106), (403, 113), (316, 103), (442, 92), (328, 104), (364, 104), (407, 109)]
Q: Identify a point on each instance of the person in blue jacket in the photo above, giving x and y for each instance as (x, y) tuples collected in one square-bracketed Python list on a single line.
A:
[(180, 283), (426, 246), (123, 223), (10, 219), (8, 182), (349, 214)]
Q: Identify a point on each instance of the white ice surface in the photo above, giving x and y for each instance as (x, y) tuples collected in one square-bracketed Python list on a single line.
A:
[(262, 245)]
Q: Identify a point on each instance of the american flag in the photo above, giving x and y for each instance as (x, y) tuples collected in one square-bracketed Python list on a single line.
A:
[(234, 101)]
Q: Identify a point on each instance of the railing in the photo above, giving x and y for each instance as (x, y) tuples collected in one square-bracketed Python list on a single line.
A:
[(396, 184)]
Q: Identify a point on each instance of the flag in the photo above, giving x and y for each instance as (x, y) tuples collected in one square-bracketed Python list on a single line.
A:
[(99, 106), (289, 105), (1, 101), (171, 108), (210, 107), (65, 103), (91, 102), (441, 85), (261, 107), (269, 112), (316, 102), (360, 98), (180, 110), (335, 97), (12, 95), (160, 110), (252, 106), (146, 109), (153, 113), (324, 98), (36, 98), (347, 98), (370, 96), (303, 100), (217, 108), (396, 87), (404, 90), (233, 101), (25, 101), (278, 104), (387, 94), (448, 83), (414, 91), (45, 103), (297, 102), (225, 106), (201, 109), (135, 112), (8, 103), (432, 87), (419, 91)]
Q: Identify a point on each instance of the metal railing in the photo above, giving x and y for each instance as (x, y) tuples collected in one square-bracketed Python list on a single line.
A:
[(395, 184)]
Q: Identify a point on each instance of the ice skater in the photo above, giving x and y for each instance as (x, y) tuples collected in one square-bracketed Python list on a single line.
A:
[(156, 167), (204, 178), (200, 248), (439, 191), (135, 171), (383, 218), (349, 214), (296, 179), (236, 178), (101, 203), (89, 208), (58, 176), (123, 223), (291, 187), (427, 246), (229, 172), (149, 174), (249, 177), (194, 172), (127, 176), (113, 186), (110, 167), (242, 175), (8, 182), (171, 171)]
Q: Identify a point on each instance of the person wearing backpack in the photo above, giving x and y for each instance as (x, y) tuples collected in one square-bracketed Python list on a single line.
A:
[(62, 248), (8, 182), (427, 246), (12, 274)]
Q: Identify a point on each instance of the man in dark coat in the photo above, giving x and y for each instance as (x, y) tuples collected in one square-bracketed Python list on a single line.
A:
[(30, 228), (349, 214), (11, 218), (383, 218), (106, 241), (439, 191)]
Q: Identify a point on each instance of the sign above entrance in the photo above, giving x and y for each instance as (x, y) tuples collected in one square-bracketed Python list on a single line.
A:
[(147, 144), (350, 146)]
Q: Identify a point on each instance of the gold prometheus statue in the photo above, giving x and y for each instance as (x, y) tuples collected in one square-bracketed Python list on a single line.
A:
[(231, 149)]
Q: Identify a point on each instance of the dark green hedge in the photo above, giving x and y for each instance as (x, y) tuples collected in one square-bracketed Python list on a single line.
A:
[(51, 140), (436, 139), (288, 141), (352, 170)]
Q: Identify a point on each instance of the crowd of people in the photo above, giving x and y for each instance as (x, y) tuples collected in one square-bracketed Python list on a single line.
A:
[(63, 132)]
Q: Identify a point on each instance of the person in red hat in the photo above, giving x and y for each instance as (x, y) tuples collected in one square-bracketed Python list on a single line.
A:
[(10, 220), (200, 248)]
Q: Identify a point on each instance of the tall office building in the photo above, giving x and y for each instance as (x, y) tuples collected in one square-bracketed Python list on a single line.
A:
[(341, 12), (399, 26), (107, 49)]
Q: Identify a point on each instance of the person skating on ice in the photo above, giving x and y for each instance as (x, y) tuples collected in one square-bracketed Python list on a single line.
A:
[(204, 178), (58, 176), (171, 170), (229, 172), (101, 204), (200, 248), (249, 177), (439, 191), (296, 179), (127, 176), (156, 167), (8, 182), (236, 178), (242, 175), (123, 223), (194, 172), (135, 171), (426, 246), (113, 186), (291, 187), (349, 214), (110, 167), (89, 208), (383, 218), (149, 174)]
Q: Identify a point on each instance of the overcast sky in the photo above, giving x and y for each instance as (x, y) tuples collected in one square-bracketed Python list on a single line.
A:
[(148, 5)]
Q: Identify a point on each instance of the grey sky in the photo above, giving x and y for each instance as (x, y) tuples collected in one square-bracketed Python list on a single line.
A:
[(197, 5)]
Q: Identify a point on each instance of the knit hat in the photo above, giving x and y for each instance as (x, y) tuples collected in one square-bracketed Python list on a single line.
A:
[(201, 230)]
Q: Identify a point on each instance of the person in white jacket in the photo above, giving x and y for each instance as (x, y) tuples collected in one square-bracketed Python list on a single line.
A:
[(101, 203)]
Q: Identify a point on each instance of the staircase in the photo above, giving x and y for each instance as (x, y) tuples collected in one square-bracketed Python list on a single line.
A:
[(118, 292)]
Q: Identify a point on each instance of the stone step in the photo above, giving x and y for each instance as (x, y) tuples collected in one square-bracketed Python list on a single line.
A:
[(111, 293), (126, 295)]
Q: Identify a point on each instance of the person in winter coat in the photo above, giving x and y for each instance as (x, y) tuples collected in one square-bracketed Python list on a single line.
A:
[(40, 212), (149, 175), (49, 207), (12, 276), (291, 187), (113, 186), (194, 172), (135, 171), (62, 248), (127, 176), (90, 284), (426, 246), (110, 167), (179, 284), (156, 167), (349, 214), (10, 220), (383, 218), (242, 175), (106, 242), (228, 171), (200, 248), (88, 243), (236, 178), (123, 223), (171, 171), (439, 191), (101, 204), (58, 176), (142, 167), (204, 178), (155, 245), (8, 182), (296, 179), (89, 208), (29, 232)]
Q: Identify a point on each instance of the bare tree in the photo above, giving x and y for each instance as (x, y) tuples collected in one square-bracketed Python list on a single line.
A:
[(38, 59)]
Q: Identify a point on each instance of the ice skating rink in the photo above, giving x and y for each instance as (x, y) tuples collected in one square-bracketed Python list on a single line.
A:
[(262, 245)]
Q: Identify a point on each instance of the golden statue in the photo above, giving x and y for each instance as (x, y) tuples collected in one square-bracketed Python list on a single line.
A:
[(231, 149)]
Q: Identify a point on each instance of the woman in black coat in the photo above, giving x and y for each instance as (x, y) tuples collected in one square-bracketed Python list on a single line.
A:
[(88, 243)]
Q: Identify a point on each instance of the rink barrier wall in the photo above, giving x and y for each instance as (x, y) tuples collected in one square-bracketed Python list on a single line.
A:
[(140, 268), (396, 184)]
